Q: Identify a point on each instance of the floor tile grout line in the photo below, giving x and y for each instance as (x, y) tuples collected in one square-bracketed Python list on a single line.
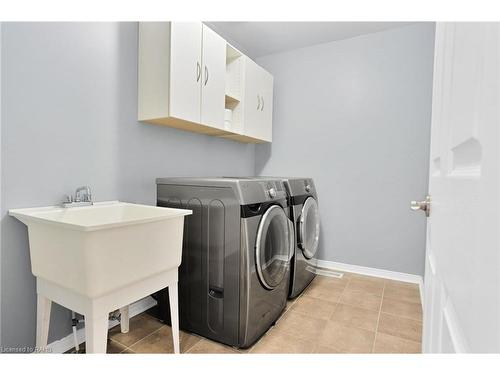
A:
[(355, 290), (340, 296), (338, 322), (282, 316), (302, 294), (401, 316), (145, 337), (127, 348), (295, 300), (337, 304), (403, 301), (356, 306), (288, 308), (401, 338), (335, 308), (229, 347), (187, 351), (201, 338), (119, 343), (325, 300), (378, 318)]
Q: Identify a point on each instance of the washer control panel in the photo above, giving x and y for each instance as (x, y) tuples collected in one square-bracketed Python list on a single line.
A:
[(271, 192), (274, 189)]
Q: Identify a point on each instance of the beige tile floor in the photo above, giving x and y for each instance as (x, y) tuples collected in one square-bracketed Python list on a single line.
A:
[(354, 314)]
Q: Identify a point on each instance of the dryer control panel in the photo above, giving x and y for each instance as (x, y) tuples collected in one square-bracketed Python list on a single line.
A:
[(273, 189)]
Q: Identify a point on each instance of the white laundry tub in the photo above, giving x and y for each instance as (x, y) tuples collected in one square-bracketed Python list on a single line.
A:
[(94, 250)]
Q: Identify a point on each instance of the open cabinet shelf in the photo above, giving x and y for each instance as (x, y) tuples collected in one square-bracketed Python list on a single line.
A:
[(231, 100), (234, 92)]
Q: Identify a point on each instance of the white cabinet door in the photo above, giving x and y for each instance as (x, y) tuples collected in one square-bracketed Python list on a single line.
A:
[(265, 127), (258, 101), (213, 79), (462, 286), (255, 101), (185, 70)]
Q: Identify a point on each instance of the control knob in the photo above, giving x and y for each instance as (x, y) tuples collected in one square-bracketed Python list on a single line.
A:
[(272, 192)]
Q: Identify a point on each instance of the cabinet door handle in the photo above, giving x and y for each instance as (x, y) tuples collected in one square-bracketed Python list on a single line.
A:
[(206, 75), (262, 107), (198, 71), (258, 102)]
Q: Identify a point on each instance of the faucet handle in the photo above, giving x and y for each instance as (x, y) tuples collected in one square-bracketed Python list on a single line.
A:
[(68, 198), (86, 196)]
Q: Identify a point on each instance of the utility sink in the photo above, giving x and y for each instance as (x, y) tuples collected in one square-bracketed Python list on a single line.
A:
[(95, 250)]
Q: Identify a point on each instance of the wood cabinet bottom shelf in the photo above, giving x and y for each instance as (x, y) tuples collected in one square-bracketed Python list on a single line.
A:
[(193, 127)]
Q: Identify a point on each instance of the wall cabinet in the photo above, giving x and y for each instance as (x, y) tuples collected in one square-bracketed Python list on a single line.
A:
[(259, 101), (188, 76)]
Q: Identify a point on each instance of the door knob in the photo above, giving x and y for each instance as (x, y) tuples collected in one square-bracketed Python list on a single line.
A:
[(424, 205)]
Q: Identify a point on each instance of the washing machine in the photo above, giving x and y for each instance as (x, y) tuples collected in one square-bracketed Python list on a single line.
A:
[(238, 243), (304, 213)]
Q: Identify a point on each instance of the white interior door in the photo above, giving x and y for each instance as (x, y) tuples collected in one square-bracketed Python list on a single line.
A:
[(185, 70), (214, 79), (461, 308)]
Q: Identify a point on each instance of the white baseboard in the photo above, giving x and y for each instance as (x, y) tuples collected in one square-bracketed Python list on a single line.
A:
[(375, 272), (67, 342)]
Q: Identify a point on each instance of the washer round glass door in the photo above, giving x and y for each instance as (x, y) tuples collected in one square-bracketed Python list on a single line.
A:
[(273, 246), (309, 228)]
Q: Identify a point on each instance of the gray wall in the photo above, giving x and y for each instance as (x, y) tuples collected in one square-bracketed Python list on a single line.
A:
[(355, 115), (0, 181), (68, 116)]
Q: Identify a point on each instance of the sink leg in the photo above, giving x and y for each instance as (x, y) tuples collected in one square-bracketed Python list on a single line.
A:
[(174, 315), (43, 308), (96, 333), (124, 319)]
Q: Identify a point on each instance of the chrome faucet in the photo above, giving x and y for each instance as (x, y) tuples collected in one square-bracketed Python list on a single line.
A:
[(83, 197), (83, 194)]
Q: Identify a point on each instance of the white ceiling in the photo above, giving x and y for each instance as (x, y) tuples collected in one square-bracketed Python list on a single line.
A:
[(264, 38)]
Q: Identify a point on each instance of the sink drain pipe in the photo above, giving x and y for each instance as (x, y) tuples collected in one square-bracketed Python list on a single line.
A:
[(74, 323), (115, 315)]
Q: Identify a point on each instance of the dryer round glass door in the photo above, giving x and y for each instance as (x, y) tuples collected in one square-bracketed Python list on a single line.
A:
[(273, 246), (309, 228)]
